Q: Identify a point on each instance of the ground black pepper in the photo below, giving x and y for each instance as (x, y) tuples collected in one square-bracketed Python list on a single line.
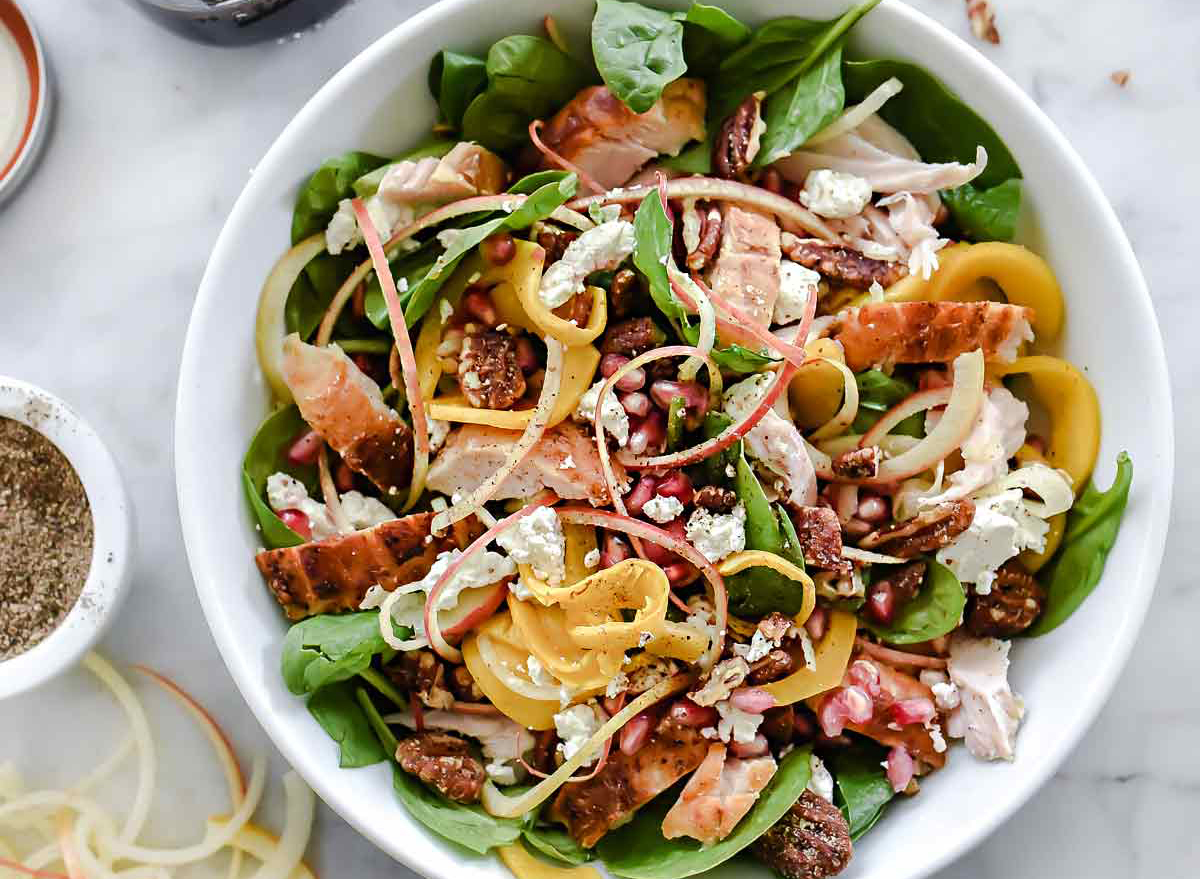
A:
[(45, 537)]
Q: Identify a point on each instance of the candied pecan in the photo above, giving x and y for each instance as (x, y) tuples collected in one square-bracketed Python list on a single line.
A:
[(489, 370), (928, 532), (445, 762), (622, 293), (775, 665), (545, 749), (811, 840), (709, 238), (715, 498), (737, 142), (846, 266), (1016, 600), (775, 625), (820, 535), (857, 463), (554, 241), (779, 724), (421, 673), (463, 685), (631, 337)]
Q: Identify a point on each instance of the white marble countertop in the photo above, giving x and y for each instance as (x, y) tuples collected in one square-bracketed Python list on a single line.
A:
[(103, 249)]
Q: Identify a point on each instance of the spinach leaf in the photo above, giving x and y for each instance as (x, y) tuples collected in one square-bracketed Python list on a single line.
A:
[(318, 198), (528, 78), (537, 206), (328, 648), (936, 610), (652, 253), (877, 393), (454, 81), (696, 159), (762, 528), (409, 267), (777, 53), (985, 214), (382, 731), (734, 358), (532, 182), (862, 786), (940, 126), (709, 34), (638, 51), (468, 826), (716, 467), (1092, 526), (638, 850), (337, 710), (267, 455), (676, 417), (556, 843), (791, 541), (368, 184), (802, 108)]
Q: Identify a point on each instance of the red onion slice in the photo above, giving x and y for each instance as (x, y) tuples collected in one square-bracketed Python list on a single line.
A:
[(909, 406)]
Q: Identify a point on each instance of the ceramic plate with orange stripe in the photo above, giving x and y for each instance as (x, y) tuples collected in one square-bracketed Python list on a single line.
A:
[(24, 95)]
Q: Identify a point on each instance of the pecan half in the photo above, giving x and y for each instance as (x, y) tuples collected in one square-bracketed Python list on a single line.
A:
[(715, 498), (779, 724), (737, 142), (775, 665), (445, 762), (928, 532), (983, 21), (463, 685), (774, 625), (623, 293), (820, 535), (489, 370), (1016, 600), (631, 337), (422, 674), (841, 264), (857, 463), (709, 238), (811, 840), (554, 241)]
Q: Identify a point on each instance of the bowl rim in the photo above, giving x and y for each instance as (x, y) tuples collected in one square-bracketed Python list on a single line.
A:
[(1147, 565), (16, 166), (112, 543)]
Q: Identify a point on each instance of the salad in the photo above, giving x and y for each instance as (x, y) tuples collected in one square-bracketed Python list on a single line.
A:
[(664, 458)]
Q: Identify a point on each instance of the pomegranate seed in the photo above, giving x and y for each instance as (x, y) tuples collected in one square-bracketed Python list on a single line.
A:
[(649, 433), (816, 624), (610, 363), (297, 521), (631, 381), (611, 706), (642, 492), (900, 768), (865, 675), (306, 448), (832, 715), (677, 485), (635, 733), (499, 249), (859, 707), (479, 305), (747, 750), (695, 395), (688, 713), (881, 602), (636, 404), (615, 550), (874, 510), (906, 711), (752, 700), (678, 573), (526, 356)]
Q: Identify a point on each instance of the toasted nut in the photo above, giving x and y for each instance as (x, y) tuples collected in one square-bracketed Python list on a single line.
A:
[(928, 532), (740, 136), (445, 762), (811, 840), (1015, 601)]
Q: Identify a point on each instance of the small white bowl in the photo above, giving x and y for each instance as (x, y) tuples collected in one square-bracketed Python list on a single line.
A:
[(112, 542), (16, 165)]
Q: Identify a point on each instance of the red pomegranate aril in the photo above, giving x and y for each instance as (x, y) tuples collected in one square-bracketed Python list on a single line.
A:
[(677, 485), (499, 249), (688, 713), (816, 624), (297, 521), (479, 305), (752, 700), (649, 433), (865, 675), (859, 707), (636, 404), (874, 509), (900, 768), (679, 573), (615, 550), (660, 555), (906, 711), (632, 381), (754, 748), (526, 356), (306, 448), (635, 733), (695, 395), (610, 363), (881, 602), (832, 715), (642, 492)]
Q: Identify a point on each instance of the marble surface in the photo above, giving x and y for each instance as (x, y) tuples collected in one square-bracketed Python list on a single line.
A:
[(102, 251)]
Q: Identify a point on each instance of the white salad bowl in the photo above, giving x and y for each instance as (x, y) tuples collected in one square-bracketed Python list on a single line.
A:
[(380, 102)]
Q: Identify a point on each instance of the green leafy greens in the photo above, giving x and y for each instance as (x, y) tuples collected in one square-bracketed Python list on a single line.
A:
[(877, 393), (709, 34), (338, 712), (267, 455), (935, 611), (863, 789), (1092, 526), (329, 648), (454, 81), (802, 108), (638, 51), (468, 826)]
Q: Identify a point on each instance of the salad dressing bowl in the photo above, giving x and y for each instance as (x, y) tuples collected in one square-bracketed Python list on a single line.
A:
[(380, 102)]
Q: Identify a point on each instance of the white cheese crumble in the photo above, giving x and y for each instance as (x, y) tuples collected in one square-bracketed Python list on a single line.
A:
[(717, 535), (481, 569), (835, 195), (662, 509), (939, 740), (537, 540), (520, 589), (285, 492), (575, 725), (796, 286), (538, 674), (438, 431), (725, 677), (612, 416), (591, 558), (445, 310), (760, 645), (617, 685), (735, 724), (1001, 528), (990, 712), (501, 773), (604, 247), (821, 781), (343, 233), (945, 693)]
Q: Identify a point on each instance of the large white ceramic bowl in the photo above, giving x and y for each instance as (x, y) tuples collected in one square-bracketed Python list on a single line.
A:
[(379, 102)]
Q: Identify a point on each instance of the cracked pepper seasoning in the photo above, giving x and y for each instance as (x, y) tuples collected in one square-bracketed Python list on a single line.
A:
[(45, 537)]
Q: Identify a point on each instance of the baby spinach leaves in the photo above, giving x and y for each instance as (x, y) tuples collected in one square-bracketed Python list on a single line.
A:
[(329, 648), (638, 51), (710, 34), (652, 254), (338, 712), (556, 843), (454, 80), (1092, 526), (935, 611), (268, 454), (985, 214), (877, 393), (638, 850), (802, 108), (468, 826), (862, 787)]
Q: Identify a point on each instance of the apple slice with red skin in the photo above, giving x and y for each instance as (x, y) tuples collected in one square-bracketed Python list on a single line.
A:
[(474, 606)]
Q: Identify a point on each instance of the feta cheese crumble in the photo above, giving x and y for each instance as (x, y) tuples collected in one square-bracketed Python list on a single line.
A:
[(575, 725), (835, 195), (612, 416), (285, 492), (591, 558), (343, 233), (760, 645), (1001, 528), (604, 247), (618, 685), (537, 540), (717, 535), (796, 286), (821, 781), (735, 724), (662, 509)]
